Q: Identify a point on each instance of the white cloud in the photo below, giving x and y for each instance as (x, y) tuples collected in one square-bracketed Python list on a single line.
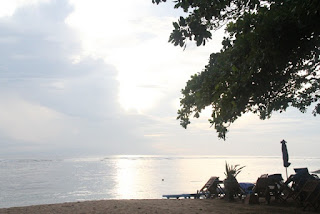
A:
[(135, 42), (9, 7), (30, 122), (52, 103), (66, 68)]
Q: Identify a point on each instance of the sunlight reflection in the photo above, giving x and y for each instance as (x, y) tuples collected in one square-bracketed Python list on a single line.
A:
[(126, 176), (133, 178), (152, 176)]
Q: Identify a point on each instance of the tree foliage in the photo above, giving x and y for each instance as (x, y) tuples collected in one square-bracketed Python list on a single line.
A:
[(269, 60)]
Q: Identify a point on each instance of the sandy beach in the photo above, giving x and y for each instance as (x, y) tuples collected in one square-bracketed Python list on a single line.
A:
[(156, 206)]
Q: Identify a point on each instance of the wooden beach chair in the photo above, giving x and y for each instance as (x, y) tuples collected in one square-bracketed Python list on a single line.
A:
[(267, 186), (211, 188), (292, 187), (314, 199), (286, 192), (309, 194)]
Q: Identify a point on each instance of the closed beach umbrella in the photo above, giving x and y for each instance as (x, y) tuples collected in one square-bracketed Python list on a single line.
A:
[(285, 155)]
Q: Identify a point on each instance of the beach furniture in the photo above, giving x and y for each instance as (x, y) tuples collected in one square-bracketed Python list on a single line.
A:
[(267, 186), (286, 191), (186, 196), (300, 178), (292, 186), (301, 187), (212, 188), (296, 182), (246, 193), (311, 194), (246, 188), (314, 198)]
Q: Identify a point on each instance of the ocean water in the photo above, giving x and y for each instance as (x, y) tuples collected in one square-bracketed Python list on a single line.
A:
[(44, 181)]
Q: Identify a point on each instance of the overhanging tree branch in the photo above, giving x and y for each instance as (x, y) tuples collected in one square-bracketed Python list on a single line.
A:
[(269, 60)]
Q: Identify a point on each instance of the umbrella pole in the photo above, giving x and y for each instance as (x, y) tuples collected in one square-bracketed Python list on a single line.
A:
[(287, 172)]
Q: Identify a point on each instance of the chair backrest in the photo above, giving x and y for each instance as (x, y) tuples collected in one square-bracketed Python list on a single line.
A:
[(263, 182), (301, 170), (211, 183), (300, 178), (276, 177)]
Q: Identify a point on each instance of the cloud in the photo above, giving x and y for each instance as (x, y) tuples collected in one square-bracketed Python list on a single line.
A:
[(99, 77), (49, 102), (9, 7), (133, 37), (26, 121)]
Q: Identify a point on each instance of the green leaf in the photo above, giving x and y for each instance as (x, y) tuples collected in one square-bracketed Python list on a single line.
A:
[(269, 59)]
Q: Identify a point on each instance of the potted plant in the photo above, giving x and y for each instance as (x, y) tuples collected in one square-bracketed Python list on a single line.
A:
[(231, 184)]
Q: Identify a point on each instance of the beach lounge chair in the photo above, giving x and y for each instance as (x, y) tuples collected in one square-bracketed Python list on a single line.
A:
[(296, 181), (314, 198), (267, 186), (211, 188), (292, 187), (246, 188), (309, 194), (286, 191), (300, 178)]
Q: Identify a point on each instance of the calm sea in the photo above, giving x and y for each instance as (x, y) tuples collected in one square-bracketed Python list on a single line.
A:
[(42, 181)]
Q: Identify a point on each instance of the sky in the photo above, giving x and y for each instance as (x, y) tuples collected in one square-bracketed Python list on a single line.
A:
[(98, 77)]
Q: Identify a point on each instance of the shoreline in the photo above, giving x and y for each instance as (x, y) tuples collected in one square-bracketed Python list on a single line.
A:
[(185, 206)]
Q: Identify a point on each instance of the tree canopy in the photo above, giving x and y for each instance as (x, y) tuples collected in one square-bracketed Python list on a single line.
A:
[(269, 60)]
